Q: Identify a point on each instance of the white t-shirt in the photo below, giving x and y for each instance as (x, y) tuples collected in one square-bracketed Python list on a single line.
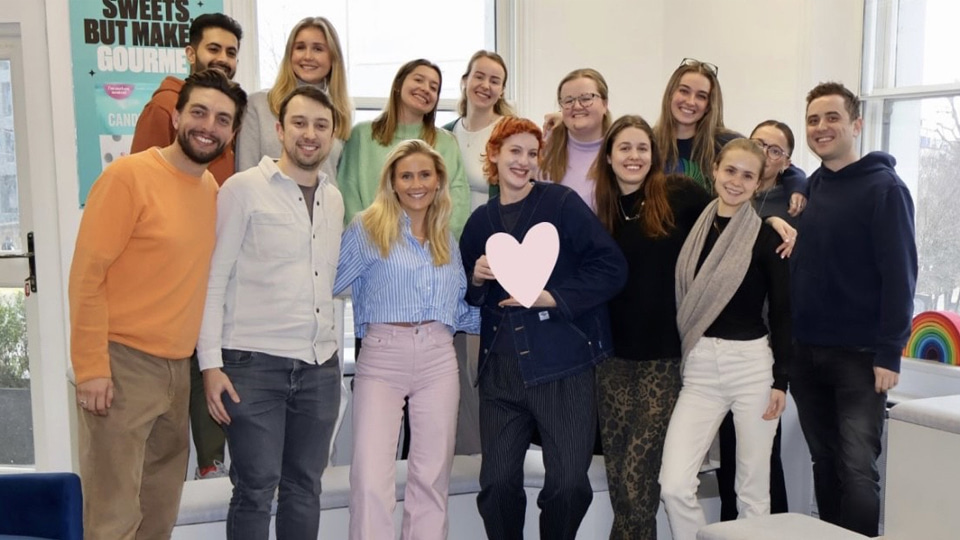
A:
[(473, 146)]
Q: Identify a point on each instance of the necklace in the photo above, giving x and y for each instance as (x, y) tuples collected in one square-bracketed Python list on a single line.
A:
[(763, 200), (624, 212)]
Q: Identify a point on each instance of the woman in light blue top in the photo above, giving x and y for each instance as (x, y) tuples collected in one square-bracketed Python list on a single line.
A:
[(408, 291)]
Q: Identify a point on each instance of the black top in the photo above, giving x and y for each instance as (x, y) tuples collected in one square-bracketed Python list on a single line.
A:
[(768, 276), (643, 316)]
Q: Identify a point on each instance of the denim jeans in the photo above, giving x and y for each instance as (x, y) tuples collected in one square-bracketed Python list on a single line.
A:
[(842, 419), (279, 436)]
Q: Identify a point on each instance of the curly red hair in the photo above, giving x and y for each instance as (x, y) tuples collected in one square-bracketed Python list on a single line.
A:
[(507, 127)]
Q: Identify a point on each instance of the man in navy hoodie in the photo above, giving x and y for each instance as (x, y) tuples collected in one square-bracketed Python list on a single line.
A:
[(853, 276)]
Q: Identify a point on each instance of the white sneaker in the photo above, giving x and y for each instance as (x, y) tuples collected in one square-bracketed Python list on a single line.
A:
[(217, 470)]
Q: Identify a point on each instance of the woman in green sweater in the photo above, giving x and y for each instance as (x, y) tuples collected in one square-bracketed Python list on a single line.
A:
[(410, 114)]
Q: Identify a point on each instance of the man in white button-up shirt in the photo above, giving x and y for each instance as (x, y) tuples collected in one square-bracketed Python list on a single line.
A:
[(267, 348)]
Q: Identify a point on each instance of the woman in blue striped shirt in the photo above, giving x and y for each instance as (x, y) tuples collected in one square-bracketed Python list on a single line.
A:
[(408, 292)]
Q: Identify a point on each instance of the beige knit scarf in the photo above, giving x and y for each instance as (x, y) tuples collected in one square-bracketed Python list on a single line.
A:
[(701, 296)]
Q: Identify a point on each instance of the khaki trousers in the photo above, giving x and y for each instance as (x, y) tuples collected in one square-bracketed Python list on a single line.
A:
[(133, 461)]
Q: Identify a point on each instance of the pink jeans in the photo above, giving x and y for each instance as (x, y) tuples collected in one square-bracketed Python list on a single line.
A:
[(397, 362)]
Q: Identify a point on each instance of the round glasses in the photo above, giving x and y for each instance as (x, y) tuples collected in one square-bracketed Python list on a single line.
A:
[(585, 100), (771, 150)]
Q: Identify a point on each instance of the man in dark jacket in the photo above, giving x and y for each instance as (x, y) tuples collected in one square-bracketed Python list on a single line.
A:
[(853, 276)]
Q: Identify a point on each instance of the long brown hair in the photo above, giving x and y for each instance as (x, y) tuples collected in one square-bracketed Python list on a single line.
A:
[(555, 156), (705, 137), (336, 80), (385, 125), (656, 216)]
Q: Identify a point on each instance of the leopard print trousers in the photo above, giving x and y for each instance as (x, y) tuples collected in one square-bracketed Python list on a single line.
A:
[(635, 401)]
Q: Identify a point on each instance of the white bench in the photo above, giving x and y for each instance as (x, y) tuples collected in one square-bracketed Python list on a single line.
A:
[(923, 471), (203, 506), (777, 527)]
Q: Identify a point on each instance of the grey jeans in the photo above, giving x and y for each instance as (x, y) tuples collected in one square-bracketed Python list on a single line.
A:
[(279, 437)]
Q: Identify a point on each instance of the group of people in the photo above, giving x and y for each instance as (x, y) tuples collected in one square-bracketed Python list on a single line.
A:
[(699, 275)]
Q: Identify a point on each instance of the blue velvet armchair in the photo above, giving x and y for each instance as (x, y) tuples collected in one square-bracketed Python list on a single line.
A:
[(41, 505)]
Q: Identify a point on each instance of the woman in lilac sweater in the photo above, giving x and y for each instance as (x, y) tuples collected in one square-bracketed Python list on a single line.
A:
[(573, 145)]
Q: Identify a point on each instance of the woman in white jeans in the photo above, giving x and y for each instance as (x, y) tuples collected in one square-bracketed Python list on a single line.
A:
[(728, 268)]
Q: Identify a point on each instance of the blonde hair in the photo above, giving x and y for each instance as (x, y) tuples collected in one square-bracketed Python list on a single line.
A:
[(501, 107), (555, 156), (744, 145), (336, 80), (385, 125), (382, 218)]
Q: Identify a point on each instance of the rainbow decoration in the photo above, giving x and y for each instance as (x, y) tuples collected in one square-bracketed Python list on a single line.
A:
[(935, 336)]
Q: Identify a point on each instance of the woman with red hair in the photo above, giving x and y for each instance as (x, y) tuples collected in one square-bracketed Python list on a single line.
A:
[(536, 369)]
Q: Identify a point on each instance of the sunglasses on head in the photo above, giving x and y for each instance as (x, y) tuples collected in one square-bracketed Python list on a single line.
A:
[(693, 62)]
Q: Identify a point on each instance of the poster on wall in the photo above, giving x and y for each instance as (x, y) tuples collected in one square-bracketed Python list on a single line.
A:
[(121, 51)]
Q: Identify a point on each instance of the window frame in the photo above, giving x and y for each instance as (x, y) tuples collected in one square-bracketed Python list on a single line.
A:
[(501, 33)]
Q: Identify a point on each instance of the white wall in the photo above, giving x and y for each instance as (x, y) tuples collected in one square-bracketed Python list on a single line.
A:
[(770, 53)]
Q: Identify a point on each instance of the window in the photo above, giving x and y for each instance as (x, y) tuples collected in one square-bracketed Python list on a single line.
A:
[(378, 36), (911, 91)]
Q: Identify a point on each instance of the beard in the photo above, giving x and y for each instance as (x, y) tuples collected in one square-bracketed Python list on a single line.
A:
[(303, 162), (225, 68), (198, 157)]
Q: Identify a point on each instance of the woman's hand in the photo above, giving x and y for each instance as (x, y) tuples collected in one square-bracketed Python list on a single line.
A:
[(544, 300), (550, 121), (786, 232), (797, 203), (778, 402), (481, 272)]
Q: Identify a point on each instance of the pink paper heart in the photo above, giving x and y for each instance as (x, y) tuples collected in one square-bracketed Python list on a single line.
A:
[(524, 268)]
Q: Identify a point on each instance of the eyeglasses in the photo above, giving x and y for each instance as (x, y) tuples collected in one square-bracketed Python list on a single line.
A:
[(771, 150), (693, 62), (585, 100)]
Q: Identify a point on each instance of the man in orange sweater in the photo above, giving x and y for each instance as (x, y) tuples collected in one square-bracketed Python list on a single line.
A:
[(214, 43), (137, 288)]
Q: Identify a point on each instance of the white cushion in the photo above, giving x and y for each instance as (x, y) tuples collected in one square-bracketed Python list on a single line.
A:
[(940, 413), (533, 471), (778, 526)]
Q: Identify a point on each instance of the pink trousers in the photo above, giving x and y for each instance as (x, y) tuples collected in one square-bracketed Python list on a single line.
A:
[(397, 362)]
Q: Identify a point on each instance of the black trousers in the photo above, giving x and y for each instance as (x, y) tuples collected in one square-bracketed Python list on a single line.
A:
[(565, 414), (727, 473), (842, 419)]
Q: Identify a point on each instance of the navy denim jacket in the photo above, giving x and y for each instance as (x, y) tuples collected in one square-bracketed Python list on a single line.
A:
[(562, 341)]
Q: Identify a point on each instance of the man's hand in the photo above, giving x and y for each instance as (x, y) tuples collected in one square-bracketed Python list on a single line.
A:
[(215, 383), (885, 379), (96, 395)]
